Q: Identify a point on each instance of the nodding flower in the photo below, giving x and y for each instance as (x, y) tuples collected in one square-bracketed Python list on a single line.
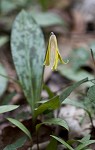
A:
[(52, 48)]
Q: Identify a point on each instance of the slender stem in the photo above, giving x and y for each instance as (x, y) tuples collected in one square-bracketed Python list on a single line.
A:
[(33, 117), (92, 55)]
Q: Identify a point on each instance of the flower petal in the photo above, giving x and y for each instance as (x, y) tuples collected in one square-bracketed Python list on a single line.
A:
[(55, 61), (53, 49), (61, 60), (47, 58)]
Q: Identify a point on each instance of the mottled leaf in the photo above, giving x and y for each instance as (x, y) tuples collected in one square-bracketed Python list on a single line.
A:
[(28, 51)]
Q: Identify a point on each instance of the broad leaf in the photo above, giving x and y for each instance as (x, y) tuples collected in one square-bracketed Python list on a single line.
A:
[(51, 104), (68, 90), (62, 142), (20, 126), (28, 51), (6, 108), (55, 121), (91, 94), (19, 143)]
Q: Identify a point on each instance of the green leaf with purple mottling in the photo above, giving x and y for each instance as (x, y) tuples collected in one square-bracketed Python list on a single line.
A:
[(28, 52)]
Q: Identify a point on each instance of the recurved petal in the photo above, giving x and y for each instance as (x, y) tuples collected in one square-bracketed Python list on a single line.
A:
[(61, 60)]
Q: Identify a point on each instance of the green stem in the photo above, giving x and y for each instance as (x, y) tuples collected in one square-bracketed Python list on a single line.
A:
[(92, 55)]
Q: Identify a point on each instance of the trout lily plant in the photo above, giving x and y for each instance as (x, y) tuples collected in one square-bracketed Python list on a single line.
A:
[(30, 57), (53, 52)]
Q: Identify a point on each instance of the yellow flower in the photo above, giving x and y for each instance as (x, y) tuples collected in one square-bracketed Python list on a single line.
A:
[(52, 48)]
